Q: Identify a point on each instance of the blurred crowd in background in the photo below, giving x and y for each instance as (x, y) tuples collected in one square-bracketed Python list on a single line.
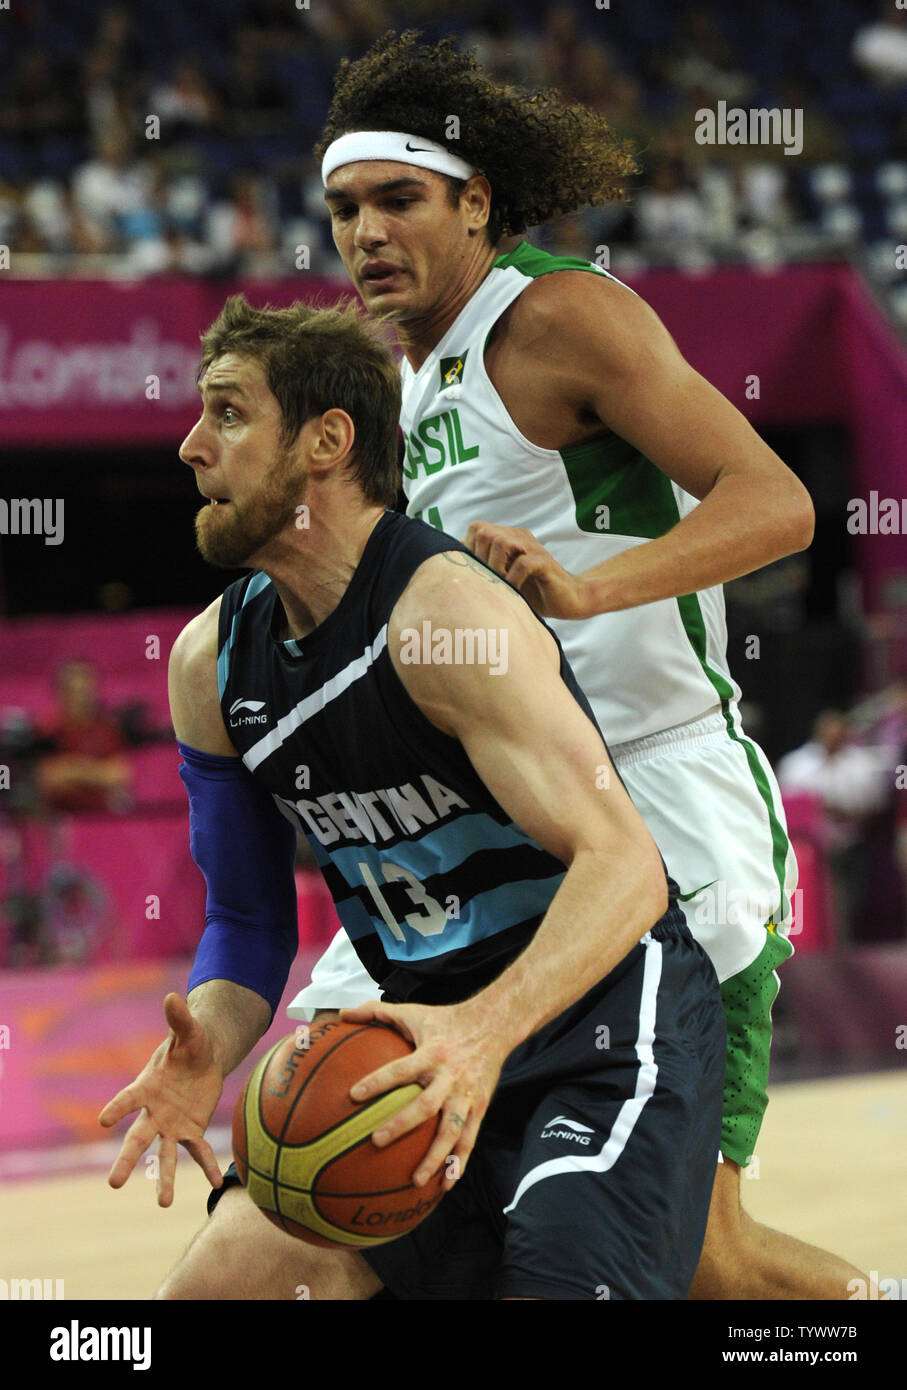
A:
[(223, 180)]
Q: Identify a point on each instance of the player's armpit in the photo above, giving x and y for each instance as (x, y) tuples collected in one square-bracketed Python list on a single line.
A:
[(192, 677)]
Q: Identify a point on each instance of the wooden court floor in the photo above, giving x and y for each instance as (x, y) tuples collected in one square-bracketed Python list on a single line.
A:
[(832, 1169)]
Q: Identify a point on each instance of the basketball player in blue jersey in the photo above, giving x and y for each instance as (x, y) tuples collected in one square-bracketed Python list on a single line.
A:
[(551, 422), (568, 1030)]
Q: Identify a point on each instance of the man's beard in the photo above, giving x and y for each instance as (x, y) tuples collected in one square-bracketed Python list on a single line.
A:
[(229, 539)]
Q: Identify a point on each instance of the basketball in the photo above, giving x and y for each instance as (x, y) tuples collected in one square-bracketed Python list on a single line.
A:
[(303, 1148)]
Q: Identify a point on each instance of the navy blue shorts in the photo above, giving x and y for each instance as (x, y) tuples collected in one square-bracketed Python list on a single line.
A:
[(593, 1170)]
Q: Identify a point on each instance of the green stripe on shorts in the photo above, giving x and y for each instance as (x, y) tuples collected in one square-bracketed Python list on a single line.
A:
[(694, 626), (748, 998)]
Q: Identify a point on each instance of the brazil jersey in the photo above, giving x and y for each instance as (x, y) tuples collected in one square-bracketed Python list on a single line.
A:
[(644, 669), (434, 883)]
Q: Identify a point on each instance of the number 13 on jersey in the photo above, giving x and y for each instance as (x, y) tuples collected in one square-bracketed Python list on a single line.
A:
[(430, 920)]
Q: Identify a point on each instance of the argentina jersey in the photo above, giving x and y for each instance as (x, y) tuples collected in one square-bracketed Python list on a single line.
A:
[(436, 886)]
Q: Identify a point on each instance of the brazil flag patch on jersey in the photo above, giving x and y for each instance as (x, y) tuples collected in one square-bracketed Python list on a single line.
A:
[(452, 369)]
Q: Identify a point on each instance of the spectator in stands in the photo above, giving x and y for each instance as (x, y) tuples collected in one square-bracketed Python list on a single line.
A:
[(243, 230), (88, 769), (880, 48), (703, 61), (852, 784), (882, 718), (116, 40), (186, 103), (670, 214), (620, 101), (508, 53), (110, 188), (254, 101), (38, 103), (562, 46), (109, 98), (822, 140)]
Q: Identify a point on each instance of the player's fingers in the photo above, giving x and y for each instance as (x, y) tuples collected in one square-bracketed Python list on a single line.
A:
[(179, 1019), (166, 1175), (140, 1134), (364, 1013), (456, 1162), (403, 1071), (478, 538), (204, 1156), (449, 1138), (502, 554), (421, 1108), (123, 1103), (524, 569)]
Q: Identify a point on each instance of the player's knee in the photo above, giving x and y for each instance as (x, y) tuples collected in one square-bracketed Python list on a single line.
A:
[(237, 1254)]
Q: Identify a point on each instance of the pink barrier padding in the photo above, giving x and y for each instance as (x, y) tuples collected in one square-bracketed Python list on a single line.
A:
[(813, 902), (134, 891), (125, 888), (812, 928), (129, 652), (155, 777), (805, 814), (849, 1003), (76, 1037)]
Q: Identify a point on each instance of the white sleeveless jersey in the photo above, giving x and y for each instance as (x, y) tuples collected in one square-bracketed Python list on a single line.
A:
[(643, 669)]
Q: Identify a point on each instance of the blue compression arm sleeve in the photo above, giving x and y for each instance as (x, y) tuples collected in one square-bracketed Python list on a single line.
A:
[(245, 849)]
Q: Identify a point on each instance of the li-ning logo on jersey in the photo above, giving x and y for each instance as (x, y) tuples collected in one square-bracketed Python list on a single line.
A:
[(574, 1130), (252, 718), (452, 369)]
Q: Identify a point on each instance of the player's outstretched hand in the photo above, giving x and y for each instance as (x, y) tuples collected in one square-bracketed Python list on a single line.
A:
[(457, 1061), (176, 1093), (529, 567)]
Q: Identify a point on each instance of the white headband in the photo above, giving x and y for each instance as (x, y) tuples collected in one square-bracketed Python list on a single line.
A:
[(397, 146)]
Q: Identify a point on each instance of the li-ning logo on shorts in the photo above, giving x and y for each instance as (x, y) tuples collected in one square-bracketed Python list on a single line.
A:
[(575, 1131), (253, 718)]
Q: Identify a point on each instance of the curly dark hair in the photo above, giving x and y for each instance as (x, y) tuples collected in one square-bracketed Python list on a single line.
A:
[(542, 157)]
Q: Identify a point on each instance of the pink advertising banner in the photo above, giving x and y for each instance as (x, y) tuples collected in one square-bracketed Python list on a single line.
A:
[(102, 362), (86, 363)]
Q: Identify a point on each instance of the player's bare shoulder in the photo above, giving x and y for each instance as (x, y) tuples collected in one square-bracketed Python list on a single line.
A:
[(192, 676), (455, 585), (577, 308), (197, 643), (455, 624), (565, 335)]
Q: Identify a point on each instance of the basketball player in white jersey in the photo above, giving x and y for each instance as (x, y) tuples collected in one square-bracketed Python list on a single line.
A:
[(540, 393)]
